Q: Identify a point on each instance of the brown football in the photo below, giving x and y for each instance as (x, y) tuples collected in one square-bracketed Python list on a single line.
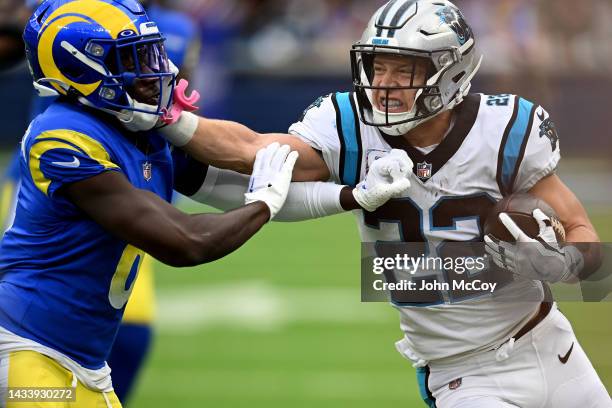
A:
[(520, 208)]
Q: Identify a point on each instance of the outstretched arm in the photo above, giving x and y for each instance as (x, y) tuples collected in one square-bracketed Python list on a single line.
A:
[(230, 145), (178, 239), (387, 177), (223, 144), (151, 224), (233, 146), (225, 189)]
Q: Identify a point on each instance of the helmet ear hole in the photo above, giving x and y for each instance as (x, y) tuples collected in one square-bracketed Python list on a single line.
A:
[(458, 77), (431, 104)]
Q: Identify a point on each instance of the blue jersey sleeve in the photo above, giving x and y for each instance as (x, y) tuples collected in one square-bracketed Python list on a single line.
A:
[(60, 157)]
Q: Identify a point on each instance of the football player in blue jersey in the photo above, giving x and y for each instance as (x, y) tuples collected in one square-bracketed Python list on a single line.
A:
[(133, 339), (94, 198)]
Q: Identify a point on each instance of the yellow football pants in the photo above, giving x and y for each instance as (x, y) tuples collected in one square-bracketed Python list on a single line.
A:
[(28, 369)]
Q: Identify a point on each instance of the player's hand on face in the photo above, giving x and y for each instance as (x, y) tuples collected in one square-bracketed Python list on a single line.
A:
[(387, 178), (271, 178), (538, 259)]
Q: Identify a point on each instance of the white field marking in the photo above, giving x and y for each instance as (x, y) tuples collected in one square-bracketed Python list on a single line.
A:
[(259, 306)]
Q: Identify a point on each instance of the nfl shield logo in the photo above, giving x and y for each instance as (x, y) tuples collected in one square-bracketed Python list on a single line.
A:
[(147, 171), (424, 171)]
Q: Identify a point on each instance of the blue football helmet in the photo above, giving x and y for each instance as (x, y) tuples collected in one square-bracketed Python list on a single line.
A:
[(105, 54)]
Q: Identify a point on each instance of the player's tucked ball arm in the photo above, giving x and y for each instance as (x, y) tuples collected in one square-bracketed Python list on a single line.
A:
[(541, 258)]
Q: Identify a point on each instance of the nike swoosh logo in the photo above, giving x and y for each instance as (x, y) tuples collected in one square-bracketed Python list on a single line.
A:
[(564, 359), (541, 115), (73, 164)]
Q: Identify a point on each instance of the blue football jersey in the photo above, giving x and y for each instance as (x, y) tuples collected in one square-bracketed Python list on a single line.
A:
[(64, 280)]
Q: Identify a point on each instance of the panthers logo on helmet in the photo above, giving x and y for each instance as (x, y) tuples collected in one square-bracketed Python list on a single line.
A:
[(455, 20)]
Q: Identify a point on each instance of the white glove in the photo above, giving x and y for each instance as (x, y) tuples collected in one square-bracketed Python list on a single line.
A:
[(272, 173), (386, 179), (538, 259)]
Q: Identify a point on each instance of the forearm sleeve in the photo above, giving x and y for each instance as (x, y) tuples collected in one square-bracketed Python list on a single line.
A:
[(224, 190), (311, 200)]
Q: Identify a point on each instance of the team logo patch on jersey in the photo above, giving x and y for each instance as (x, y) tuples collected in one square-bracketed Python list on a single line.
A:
[(548, 129), (147, 171), (424, 171), (315, 104)]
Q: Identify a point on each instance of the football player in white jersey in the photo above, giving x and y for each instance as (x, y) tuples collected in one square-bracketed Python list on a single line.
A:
[(412, 73)]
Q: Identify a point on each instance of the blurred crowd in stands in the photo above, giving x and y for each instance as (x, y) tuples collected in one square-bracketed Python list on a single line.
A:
[(312, 36), (550, 36), (557, 52)]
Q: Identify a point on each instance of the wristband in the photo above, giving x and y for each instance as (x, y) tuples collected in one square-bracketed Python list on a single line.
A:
[(182, 131)]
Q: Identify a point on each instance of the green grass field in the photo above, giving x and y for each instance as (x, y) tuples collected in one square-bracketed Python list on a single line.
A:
[(280, 323)]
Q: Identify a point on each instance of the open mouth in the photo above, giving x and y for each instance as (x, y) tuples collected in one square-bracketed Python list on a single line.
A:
[(146, 92), (153, 99), (391, 105)]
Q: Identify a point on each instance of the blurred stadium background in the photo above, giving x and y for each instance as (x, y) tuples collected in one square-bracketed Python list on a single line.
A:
[(280, 322)]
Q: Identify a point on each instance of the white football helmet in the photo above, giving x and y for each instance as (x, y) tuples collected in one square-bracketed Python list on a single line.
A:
[(435, 31)]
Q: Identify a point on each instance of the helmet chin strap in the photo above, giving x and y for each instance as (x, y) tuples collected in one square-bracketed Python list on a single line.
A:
[(130, 118), (403, 128)]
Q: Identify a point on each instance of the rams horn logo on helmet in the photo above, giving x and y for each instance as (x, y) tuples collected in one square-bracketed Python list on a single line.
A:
[(107, 16), (94, 50)]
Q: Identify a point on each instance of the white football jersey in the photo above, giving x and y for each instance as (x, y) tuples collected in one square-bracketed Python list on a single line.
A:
[(499, 145)]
